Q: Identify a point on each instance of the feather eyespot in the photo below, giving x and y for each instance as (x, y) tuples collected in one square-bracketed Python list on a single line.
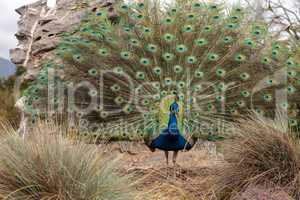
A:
[(213, 57), (201, 42), (181, 48), (191, 59), (145, 61)]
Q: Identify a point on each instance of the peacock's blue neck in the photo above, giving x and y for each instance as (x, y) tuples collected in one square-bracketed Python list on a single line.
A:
[(174, 109)]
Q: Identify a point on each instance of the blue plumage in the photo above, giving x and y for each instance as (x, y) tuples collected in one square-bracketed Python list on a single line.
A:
[(170, 139)]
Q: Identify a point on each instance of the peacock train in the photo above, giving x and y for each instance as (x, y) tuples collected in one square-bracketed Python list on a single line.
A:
[(185, 67)]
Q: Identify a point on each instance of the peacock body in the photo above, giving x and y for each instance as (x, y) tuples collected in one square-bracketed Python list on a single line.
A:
[(219, 62)]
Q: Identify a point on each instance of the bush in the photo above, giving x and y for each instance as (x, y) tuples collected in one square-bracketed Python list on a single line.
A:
[(7, 102), (262, 154), (47, 166)]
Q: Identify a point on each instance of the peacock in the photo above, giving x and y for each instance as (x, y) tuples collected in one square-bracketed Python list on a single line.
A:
[(168, 72)]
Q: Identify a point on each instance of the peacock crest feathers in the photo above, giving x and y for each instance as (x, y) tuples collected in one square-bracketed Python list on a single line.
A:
[(219, 62)]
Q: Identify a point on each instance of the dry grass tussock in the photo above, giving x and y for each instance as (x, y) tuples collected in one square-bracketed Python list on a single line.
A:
[(47, 166), (263, 155), (7, 102)]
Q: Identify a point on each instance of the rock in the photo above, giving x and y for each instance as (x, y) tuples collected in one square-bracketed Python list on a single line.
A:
[(40, 29)]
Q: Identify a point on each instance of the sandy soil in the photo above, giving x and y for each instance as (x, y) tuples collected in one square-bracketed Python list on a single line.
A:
[(191, 178)]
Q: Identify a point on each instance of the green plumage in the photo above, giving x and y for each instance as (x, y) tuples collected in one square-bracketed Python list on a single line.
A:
[(213, 58)]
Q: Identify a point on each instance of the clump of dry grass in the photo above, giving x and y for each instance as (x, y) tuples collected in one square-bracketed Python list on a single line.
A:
[(262, 154), (7, 102), (47, 166)]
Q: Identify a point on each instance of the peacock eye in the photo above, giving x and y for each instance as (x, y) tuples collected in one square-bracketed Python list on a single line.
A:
[(228, 39), (220, 98), (270, 82), (156, 85), (145, 61), (93, 72), (257, 33), (115, 88), (140, 16), (293, 122), (201, 42), (168, 21), (245, 76), (191, 59), (181, 48), (103, 114), (291, 90), (36, 98), (119, 100), (168, 81), (145, 102), (259, 111), (292, 73), (275, 53), (284, 105), (181, 84), (141, 5), (168, 56), (191, 16), (196, 5), (216, 17), (127, 109), (177, 69), (173, 10), (213, 57), (168, 37), (249, 43), (235, 18), (238, 10), (147, 30), (197, 88), (77, 58), (140, 75), (124, 8), (118, 70), (231, 26), (267, 97), (152, 48), (93, 93), (103, 52), (290, 63), (157, 70), (221, 72), (245, 93), (207, 28), (277, 47), (240, 58), (125, 55), (199, 73), (213, 7), (134, 42), (188, 28), (164, 93), (241, 103), (266, 60), (209, 106)]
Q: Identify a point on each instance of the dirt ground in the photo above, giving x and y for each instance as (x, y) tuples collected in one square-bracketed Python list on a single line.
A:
[(190, 179)]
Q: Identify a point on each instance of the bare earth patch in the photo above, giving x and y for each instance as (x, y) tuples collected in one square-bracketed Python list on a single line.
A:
[(191, 178)]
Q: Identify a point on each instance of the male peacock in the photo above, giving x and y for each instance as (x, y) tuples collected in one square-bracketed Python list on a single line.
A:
[(173, 70)]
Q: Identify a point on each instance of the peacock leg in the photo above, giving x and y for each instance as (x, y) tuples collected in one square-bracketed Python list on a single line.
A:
[(167, 157), (175, 157)]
